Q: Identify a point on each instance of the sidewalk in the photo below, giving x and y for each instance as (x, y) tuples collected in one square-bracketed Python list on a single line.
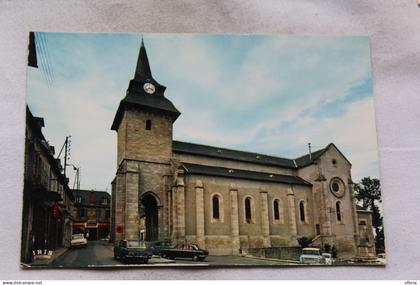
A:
[(48, 260), (274, 259)]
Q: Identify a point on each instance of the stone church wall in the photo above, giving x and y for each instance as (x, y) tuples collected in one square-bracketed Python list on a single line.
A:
[(121, 139), (155, 178), (135, 142), (262, 231), (341, 233), (307, 226)]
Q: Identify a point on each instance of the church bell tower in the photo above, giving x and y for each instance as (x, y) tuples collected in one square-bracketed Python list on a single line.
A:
[(143, 123)]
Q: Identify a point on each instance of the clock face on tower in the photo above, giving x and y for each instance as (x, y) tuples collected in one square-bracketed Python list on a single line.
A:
[(149, 88)]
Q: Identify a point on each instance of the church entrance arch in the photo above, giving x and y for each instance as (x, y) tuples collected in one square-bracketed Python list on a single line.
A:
[(151, 211)]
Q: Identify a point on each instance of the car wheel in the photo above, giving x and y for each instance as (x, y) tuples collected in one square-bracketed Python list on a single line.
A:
[(195, 258)]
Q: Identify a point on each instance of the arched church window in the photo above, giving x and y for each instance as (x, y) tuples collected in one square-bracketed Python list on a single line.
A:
[(248, 216), (148, 125), (302, 211), (276, 210), (216, 209), (216, 213), (338, 210)]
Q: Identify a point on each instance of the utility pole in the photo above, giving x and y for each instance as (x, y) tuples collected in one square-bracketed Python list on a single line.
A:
[(67, 148), (76, 182), (65, 155)]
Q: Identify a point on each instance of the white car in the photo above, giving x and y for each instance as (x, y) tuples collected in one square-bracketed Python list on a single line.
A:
[(328, 258), (78, 240), (311, 255)]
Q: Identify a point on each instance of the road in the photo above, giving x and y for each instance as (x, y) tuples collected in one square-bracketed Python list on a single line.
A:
[(100, 254), (96, 253)]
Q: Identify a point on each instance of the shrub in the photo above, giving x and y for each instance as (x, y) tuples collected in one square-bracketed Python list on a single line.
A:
[(334, 252), (304, 241), (327, 248)]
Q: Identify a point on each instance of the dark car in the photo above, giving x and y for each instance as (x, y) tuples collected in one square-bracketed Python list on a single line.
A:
[(157, 246), (132, 250), (185, 251)]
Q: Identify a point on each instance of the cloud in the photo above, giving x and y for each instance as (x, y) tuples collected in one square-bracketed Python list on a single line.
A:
[(354, 134), (256, 93)]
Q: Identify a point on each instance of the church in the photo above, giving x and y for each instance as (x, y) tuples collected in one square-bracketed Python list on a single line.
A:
[(226, 201)]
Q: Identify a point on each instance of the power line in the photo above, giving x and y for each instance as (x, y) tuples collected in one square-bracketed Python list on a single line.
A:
[(48, 63), (40, 53), (44, 59)]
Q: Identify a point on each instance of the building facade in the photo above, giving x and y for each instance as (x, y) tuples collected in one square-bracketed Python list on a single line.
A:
[(91, 213), (46, 219), (227, 201)]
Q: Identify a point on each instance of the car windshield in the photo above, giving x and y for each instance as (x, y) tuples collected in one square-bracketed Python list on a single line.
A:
[(136, 243), (77, 236), (310, 251)]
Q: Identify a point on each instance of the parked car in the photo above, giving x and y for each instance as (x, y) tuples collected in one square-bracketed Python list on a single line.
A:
[(328, 258), (132, 250), (311, 255), (78, 240), (185, 251), (156, 246)]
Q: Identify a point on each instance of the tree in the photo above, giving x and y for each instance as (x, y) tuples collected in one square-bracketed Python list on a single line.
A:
[(327, 247), (380, 241), (334, 251), (368, 191)]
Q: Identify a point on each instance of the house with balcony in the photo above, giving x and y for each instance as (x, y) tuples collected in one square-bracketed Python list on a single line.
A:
[(47, 199)]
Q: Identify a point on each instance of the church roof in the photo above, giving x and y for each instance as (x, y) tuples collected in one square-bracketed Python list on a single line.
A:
[(152, 102), (143, 68), (243, 174), (308, 159), (144, 102), (137, 97), (224, 153)]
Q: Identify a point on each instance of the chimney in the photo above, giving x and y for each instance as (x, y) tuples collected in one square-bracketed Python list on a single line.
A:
[(310, 152)]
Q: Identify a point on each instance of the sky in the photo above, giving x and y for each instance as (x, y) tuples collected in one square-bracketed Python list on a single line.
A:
[(267, 94)]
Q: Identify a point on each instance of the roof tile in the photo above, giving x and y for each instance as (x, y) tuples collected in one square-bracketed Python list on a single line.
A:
[(243, 174)]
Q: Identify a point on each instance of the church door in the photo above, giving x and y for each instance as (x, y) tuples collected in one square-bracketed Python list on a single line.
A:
[(152, 221)]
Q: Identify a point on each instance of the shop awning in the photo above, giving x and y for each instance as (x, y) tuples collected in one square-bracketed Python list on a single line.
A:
[(103, 225)]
